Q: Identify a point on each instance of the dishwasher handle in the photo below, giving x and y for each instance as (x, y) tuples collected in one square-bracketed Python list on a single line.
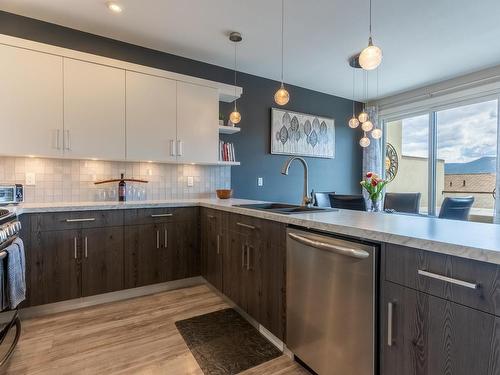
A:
[(342, 250)]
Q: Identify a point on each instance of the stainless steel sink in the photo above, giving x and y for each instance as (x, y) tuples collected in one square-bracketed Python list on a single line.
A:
[(283, 208)]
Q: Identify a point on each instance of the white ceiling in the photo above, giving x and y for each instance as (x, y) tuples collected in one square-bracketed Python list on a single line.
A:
[(423, 41)]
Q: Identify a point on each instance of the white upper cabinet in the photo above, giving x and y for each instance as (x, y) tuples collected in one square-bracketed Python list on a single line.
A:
[(31, 102), (94, 111), (151, 117), (197, 123)]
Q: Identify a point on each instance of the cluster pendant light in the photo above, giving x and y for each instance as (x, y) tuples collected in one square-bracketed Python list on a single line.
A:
[(282, 97), (363, 118), (235, 116), (370, 57)]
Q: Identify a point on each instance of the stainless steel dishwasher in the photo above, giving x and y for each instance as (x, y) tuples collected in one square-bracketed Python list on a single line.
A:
[(330, 295)]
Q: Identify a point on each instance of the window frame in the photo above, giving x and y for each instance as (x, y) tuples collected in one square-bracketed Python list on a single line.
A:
[(432, 111)]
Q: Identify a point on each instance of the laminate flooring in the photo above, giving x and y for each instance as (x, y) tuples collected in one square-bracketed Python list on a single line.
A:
[(134, 336)]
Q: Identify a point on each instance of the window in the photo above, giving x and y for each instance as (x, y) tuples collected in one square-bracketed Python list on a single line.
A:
[(448, 153), (410, 139), (467, 145)]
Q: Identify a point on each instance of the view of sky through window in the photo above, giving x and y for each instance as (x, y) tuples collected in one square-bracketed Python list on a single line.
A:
[(465, 133)]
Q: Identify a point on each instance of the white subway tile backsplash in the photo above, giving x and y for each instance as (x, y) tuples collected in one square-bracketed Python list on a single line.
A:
[(73, 180)]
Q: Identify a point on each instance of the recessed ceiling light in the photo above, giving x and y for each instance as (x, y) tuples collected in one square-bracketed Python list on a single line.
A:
[(114, 7)]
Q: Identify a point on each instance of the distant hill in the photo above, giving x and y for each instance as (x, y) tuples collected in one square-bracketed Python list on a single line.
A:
[(486, 164)]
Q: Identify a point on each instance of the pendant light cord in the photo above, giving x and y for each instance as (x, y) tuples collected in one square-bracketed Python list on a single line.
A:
[(235, 75), (353, 90), (370, 18), (282, 38)]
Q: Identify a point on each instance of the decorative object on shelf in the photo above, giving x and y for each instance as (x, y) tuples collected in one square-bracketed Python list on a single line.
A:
[(282, 96), (294, 133), (374, 186), (224, 193), (226, 151), (391, 162), (122, 185), (235, 116), (370, 57)]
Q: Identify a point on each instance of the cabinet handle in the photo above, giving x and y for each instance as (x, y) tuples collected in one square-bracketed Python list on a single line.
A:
[(245, 225), (179, 147), (211, 216), (243, 256), (166, 236), (157, 239), (218, 244), (86, 246), (172, 147), (248, 257), (80, 220), (75, 246), (161, 215), (58, 146), (67, 142), (448, 279), (390, 311)]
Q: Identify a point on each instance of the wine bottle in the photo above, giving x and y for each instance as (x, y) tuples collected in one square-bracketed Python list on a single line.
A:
[(122, 190)]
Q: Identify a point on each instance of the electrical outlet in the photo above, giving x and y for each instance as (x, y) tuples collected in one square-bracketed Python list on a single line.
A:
[(260, 181), (190, 181), (30, 178)]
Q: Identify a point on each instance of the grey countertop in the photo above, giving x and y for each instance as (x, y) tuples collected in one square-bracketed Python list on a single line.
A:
[(471, 240)]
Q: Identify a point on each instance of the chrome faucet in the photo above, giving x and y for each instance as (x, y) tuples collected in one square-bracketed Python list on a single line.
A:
[(307, 199)]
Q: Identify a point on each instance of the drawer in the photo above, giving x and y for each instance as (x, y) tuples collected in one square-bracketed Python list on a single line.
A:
[(468, 282), (269, 233), (76, 220), (244, 224), (160, 215)]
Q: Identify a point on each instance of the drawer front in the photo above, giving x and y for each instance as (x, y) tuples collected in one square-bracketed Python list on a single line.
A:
[(468, 282), (76, 220), (269, 233), (159, 215)]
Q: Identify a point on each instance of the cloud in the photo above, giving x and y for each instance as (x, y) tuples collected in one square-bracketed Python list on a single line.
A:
[(464, 133)]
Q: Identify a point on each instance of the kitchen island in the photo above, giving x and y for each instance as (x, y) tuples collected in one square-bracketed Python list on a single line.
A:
[(437, 294)]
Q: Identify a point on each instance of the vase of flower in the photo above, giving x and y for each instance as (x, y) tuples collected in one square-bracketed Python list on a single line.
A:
[(374, 186)]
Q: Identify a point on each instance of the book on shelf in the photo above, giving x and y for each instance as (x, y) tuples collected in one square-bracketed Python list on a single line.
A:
[(226, 151)]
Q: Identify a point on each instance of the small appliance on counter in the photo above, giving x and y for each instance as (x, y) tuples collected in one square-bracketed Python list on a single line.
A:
[(122, 185), (11, 194)]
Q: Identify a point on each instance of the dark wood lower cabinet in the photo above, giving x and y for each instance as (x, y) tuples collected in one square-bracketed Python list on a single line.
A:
[(161, 251), (145, 257), (55, 267), (428, 335), (213, 240), (102, 260), (254, 272)]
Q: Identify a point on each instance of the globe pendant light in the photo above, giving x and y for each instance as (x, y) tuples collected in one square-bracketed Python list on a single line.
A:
[(282, 97), (371, 57), (367, 126), (363, 116), (376, 133), (235, 116), (365, 141)]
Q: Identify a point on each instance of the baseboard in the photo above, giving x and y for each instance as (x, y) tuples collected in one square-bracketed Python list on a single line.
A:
[(52, 308), (272, 338)]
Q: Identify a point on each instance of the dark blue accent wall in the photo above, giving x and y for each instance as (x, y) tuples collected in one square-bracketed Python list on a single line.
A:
[(252, 144)]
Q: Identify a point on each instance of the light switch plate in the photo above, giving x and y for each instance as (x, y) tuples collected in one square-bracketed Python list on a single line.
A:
[(260, 181), (30, 178), (190, 181)]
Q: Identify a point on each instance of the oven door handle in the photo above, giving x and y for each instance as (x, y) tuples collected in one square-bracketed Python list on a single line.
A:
[(341, 250)]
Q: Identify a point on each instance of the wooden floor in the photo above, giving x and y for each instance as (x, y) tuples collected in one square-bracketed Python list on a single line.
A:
[(136, 336)]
